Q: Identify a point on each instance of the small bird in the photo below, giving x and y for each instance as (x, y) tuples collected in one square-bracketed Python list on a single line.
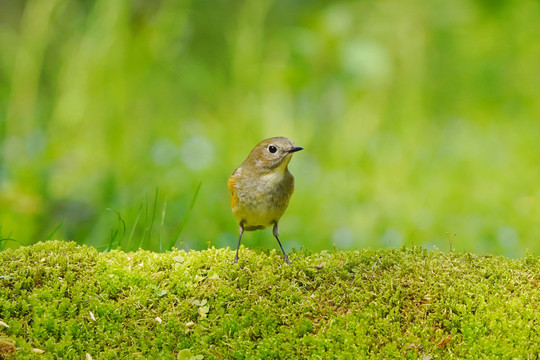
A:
[(262, 186)]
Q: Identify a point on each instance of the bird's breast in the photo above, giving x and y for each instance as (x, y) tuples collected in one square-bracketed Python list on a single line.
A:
[(261, 200)]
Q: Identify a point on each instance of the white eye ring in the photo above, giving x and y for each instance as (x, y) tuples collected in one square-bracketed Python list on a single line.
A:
[(272, 149)]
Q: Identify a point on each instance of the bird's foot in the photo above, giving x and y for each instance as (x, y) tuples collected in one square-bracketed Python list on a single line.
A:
[(286, 259)]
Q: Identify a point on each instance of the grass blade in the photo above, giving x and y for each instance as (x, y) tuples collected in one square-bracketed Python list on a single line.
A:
[(162, 223), (135, 226), (112, 238), (153, 213), (184, 221), (55, 230), (6, 239)]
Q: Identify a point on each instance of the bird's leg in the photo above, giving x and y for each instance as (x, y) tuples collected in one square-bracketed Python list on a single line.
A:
[(241, 231), (275, 231)]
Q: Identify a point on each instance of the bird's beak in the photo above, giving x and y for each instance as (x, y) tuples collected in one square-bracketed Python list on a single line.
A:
[(295, 149)]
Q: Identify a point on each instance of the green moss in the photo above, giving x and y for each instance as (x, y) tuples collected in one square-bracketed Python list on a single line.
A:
[(71, 300), (7, 348)]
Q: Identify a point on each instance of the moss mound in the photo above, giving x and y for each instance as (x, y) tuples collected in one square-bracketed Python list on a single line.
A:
[(62, 300)]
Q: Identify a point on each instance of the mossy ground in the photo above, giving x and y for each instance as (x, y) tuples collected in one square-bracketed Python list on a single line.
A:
[(61, 300)]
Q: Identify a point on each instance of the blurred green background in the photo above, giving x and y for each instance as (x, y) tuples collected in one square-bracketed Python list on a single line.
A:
[(420, 121)]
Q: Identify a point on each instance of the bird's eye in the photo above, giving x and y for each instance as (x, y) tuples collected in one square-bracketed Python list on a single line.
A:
[(272, 149)]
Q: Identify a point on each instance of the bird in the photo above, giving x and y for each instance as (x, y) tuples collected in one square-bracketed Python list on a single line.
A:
[(261, 188)]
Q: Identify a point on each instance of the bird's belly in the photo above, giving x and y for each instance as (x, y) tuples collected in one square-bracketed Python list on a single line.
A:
[(258, 212), (258, 218)]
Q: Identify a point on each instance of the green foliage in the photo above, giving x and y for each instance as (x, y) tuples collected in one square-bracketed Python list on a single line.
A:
[(419, 120), (61, 300)]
